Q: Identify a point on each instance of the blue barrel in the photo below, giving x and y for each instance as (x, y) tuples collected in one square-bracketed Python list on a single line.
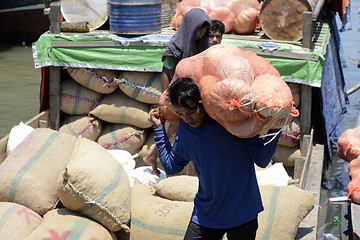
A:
[(134, 17)]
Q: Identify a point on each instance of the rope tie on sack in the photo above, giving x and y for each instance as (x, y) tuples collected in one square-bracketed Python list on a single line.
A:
[(85, 128), (125, 81), (127, 137), (77, 98), (107, 83), (94, 202)]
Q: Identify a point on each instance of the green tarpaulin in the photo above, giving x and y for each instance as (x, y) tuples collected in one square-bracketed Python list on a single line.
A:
[(107, 51)]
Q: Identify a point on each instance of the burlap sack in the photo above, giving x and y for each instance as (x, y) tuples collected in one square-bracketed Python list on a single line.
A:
[(285, 208), (286, 155), (142, 86), (98, 80), (63, 224), (290, 135), (84, 126), (154, 217), (17, 221), (96, 185), (122, 136), (76, 99), (179, 188), (119, 108), (30, 172)]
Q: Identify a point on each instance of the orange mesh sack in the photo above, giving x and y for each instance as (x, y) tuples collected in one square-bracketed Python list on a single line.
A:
[(245, 101), (349, 144), (238, 16), (353, 187)]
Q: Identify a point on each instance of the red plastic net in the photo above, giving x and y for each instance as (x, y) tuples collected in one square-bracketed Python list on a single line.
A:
[(353, 187), (238, 16), (240, 90), (349, 144)]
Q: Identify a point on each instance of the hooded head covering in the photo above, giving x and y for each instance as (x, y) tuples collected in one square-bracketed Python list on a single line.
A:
[(183, 43)]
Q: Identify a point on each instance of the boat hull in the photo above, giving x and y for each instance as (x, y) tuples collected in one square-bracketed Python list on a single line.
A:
[(24, 24)]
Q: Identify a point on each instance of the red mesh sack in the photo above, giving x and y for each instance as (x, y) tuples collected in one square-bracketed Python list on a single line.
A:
[(353, 187), (238, 16), (233, 94), (349, 144)]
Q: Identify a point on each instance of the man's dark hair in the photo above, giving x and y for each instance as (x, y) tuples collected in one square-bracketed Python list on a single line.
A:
[(184, 92), (217, 25)]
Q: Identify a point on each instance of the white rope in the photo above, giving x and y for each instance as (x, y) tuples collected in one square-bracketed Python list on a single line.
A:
[(94, 202)]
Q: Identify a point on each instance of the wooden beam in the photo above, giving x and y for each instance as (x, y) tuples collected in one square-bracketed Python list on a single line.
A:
[(307, 29), (308, 227), (305, 112), (55, 18), (61, 44), (54, 95)]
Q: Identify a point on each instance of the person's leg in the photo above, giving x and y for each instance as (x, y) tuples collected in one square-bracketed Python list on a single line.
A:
[(151, 160), (190, 169), (196, 231), (246, 231)]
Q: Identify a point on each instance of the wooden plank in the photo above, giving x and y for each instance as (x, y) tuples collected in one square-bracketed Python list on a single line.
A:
[(283, 54), (308, 139), (104, 44), (58, 44), (355, 216), (308, 227)]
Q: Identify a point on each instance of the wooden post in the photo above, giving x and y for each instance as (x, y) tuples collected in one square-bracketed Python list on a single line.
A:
[(307, 29), (54, 97), (55, 74), (305, 116), (55, 18)]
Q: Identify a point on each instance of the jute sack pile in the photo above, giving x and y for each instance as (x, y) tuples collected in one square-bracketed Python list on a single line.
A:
[(76, 99), (119, 108), (286, 155), (290, 135), (122, 136), (63, 224), (17, 221), (30, 172), (285, 208), (153, 217), (96, 185), (82, 125), (98, 80), (179, 188), (142, 86)]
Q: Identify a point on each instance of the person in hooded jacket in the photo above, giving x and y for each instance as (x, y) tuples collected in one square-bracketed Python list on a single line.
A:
[(191, 38)]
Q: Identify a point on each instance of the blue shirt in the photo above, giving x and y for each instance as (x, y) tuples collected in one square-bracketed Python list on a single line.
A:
[(228, 194)]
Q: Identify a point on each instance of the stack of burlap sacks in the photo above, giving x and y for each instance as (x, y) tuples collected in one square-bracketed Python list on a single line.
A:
[(111, 108), (57, 186)]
